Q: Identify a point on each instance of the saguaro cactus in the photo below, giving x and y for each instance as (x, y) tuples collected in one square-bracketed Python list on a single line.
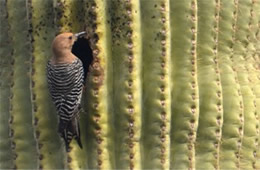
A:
[(173, 84)]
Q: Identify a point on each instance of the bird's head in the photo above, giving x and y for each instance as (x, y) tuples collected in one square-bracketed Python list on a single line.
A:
[(63, 42)]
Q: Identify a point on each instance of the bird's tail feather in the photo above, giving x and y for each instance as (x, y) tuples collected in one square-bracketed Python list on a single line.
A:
[(77, 137), (69, 130)]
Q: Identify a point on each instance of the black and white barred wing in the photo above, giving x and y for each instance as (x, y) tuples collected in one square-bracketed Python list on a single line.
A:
[(65, 84)]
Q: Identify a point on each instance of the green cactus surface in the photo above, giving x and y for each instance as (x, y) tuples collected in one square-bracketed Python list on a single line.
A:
[(174, 84)]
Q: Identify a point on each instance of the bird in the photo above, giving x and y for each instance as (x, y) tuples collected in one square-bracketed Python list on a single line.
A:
[(65, 79)]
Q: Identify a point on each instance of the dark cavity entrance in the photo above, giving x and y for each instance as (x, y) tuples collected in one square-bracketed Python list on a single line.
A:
[(82, 50)]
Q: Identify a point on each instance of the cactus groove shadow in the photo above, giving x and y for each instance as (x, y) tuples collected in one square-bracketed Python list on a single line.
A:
[(83, 51)]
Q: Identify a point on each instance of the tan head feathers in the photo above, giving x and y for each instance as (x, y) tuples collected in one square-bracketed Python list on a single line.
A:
[(63, 43)]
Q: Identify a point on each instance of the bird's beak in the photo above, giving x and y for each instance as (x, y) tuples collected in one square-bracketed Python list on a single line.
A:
[(77, 35)]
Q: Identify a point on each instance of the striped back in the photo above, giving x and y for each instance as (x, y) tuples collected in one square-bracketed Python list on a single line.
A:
[(65, 82)]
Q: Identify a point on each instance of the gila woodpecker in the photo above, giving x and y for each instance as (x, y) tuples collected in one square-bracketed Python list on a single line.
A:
[(65, 83)]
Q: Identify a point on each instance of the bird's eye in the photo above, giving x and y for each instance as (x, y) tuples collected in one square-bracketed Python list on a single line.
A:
[(70, 37)]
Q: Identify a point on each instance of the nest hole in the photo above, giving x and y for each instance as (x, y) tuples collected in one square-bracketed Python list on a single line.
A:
[(83, 51)]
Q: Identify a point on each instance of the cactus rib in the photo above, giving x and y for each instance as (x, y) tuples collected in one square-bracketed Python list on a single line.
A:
[(210, 90), (51, 152), (252, 77), (232, 99), (126, 51), (185, 103), (69, 15), (6, 161), (257, 80), (156, 94), (248, 147), (99, 87), (23, 140)]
